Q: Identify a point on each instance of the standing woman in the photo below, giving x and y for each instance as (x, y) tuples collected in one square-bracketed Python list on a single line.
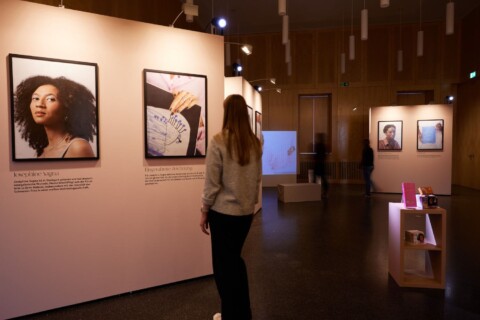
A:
[(232, 182), (57, 117)]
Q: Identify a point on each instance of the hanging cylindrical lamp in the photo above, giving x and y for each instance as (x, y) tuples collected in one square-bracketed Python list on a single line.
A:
[(351, 47), (285, 29), (351, 41), (364, 24), (384, 3), (420, 43), (420, 35), (450, 18), (282, 7), (288, 54)]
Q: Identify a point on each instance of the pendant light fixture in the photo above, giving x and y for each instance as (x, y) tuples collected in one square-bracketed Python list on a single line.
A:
[(285, 23), (400, 50), (342, 55), (351, 40), (384, 3), (288, 55), (364, 23), (420, 35), (450, 18), (282, 7)]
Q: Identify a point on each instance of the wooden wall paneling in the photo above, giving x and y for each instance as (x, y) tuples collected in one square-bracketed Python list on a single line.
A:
[(305, 124), (276, 59), (150, 11), (303, 45), (377, 54), (282, 111), (405, 39), (353, 68), (349, 123), (451, 57), (470, 46), (429, 64), (328, 57), (255, 66), (466, 170)]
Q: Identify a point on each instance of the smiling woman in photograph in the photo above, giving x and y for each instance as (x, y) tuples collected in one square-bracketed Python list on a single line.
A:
[(56, 116)]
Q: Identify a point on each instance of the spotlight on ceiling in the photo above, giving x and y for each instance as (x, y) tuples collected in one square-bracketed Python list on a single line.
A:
[(449, 99), (258, 88), (217, 25), (237, 69)]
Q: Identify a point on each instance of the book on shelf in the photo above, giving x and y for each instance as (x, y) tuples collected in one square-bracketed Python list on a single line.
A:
[(409, 198)]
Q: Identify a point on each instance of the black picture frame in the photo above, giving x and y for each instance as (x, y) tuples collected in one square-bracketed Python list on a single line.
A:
[(179, 133), (386, 144), (250, 117), (430, 135), (72, 106), (258, 124)]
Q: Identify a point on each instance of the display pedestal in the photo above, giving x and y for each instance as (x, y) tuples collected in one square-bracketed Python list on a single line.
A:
[(298, 192), (419, 265)]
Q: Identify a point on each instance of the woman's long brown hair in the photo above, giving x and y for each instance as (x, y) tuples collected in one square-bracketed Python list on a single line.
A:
[(240, 139)]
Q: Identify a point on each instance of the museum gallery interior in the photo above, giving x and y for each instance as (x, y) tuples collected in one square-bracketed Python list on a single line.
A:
[(103, 223)]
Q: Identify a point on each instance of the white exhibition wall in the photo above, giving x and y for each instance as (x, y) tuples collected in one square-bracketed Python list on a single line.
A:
[(128, 223), (422, 167)]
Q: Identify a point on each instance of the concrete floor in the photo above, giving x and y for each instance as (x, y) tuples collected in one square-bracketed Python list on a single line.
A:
[(320, 260)]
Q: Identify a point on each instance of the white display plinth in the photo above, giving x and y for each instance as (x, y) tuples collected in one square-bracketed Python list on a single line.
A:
[(298, 192)]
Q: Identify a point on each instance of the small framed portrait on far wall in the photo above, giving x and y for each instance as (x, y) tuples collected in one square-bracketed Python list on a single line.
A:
[(430, 134), (390, 135)]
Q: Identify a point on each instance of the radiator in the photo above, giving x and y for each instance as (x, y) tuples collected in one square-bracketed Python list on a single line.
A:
[(341, 171)]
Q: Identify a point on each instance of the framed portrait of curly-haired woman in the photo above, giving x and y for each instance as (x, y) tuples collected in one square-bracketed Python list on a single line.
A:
[(390, 135), (54, 109)]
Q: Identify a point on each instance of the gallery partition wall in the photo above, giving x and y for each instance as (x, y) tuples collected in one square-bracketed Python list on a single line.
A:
[(84, 228)]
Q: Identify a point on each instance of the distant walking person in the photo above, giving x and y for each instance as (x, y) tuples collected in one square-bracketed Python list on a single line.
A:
[(366, 165), (320, 159), (232, 183)]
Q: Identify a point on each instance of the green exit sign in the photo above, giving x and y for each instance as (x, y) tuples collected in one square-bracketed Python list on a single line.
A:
[(344, 84)]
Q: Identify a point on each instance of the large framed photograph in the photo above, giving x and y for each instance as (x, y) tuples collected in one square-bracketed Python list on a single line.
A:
[(390, 135), (54, 109), (258, 125), (175, 114), (430, 134)]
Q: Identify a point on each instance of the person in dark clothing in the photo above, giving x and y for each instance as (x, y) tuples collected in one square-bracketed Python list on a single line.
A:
[(366, 165), (320, 159)]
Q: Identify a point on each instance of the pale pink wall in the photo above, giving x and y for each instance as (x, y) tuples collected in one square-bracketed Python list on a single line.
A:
[(65, 247), (424, 168)]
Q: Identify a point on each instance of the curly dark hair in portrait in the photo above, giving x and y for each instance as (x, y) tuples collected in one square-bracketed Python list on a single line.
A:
[(77, 101)]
